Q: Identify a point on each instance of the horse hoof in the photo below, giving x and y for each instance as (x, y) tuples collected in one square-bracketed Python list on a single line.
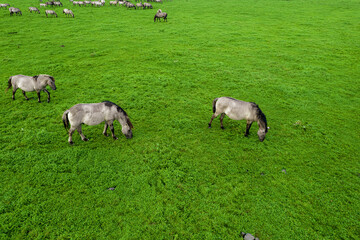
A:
[(71, 143), (106, 135), (85, 139), (115, 138), (222, 128)]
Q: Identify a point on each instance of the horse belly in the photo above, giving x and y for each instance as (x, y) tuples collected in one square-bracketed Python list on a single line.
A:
[(93, 119), (25, 85)]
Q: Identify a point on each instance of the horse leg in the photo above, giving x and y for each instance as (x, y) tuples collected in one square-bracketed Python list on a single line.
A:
[(13, 93), (105, 130), (71, 131), (38, 94), (45, 90), (112, 131), (81, 134), (221, 120), (25, 95), (212, 118), (248, 126)]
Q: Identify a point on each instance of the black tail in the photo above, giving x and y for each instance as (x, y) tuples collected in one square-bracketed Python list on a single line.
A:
[(214, 104), (9, 84), (66, 119)]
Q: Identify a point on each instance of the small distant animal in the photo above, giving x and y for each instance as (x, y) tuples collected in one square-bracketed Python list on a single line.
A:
[(248, 236), (42, 4), (13, 10), (239, 110), (34, 9), (97, 3), (159, 14), (4, 5), (158, 1), (148, 5), (50, 12), (57, 3), (140, 5), (36, 83), (94, 114), (49, 3), (68, 12), (130, 5), (113, 3)]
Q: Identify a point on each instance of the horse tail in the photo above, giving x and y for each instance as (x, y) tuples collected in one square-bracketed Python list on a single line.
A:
[(9, 84), (214, 104), (65, 119)]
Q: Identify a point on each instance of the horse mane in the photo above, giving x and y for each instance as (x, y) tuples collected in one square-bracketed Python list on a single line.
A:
[(35, 77), (119, 109), (260, 116)]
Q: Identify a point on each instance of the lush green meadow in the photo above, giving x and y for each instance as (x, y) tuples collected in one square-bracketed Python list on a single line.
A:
[(177, 179)]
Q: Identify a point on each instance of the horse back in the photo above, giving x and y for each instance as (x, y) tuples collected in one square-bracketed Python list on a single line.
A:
[(236, 109)]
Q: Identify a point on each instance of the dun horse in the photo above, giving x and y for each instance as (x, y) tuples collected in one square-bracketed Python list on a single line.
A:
[(239, 110), (94, 114), (29, 84), (159, 14)]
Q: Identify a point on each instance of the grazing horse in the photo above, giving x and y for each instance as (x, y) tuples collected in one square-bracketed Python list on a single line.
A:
[(239, 110), (147, 5), (50, 12), (13, 10), (34, 9), (248, 236), (68, 12), (159, 15), (4, 5), (30, 84), (140, 5), (94, 114), (130, 5)]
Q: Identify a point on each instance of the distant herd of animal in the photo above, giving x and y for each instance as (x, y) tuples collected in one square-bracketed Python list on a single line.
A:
[(159, 14), (96, 113)]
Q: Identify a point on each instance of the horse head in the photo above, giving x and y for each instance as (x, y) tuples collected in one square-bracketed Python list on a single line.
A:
[(126, 128)]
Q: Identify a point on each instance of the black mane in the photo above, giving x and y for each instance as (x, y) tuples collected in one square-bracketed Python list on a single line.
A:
[(110, 104), (260, 116)]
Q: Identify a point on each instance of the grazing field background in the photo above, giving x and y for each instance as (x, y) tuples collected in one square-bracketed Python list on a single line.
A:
[(177, 179)]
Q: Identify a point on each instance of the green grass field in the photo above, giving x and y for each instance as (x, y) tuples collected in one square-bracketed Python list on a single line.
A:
[(177, 179)]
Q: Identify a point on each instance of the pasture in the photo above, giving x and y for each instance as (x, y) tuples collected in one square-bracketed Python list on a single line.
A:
[(177, 179)]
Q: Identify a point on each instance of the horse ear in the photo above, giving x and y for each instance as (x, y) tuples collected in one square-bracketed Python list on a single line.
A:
[(129, 123)]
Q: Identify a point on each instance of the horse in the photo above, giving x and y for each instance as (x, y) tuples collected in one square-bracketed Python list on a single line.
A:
[(68, 12), (248, 236), (94, 114), (13, 10), (50, 12), (30, 84), (4, 5), (140, 5), (43, 5), (58, 3), (34, 9), (147, 5), (130, 5), (159, 14), (239, 110), (113, 3)]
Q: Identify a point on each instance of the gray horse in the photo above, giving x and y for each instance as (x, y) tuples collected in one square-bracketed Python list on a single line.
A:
[(13, 10), (239, 110), (94, 114), (159, 14), (29, 84), (248, 236), (68, 12), (34, 9), (4, 5), (50, 12)]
